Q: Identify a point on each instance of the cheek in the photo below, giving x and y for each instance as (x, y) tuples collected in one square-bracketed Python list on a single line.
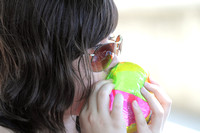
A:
[(78, 104), (77, 107), (98, 76)]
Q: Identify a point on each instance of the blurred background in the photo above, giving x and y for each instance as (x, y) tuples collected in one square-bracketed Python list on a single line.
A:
[(164, 38)]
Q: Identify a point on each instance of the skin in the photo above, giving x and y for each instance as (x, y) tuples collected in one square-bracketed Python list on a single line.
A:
[(98, 76), (95, 116), (160, 104)]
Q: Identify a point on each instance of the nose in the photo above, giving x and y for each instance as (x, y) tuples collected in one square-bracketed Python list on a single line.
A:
[(114, 62)]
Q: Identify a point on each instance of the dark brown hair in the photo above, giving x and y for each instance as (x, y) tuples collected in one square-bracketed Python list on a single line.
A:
[(39, 39)]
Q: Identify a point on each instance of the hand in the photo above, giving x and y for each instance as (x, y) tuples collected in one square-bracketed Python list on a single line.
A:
[(96, 117), (160, 104)]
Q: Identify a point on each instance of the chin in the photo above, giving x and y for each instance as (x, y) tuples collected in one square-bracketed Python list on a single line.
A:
[(98, 76)]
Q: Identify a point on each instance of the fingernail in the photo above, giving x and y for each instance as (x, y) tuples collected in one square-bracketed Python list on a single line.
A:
[(146, 83), (143, 90), (135, 104)]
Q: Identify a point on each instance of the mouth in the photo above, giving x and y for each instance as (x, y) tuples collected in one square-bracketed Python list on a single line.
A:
[(110, 69), (113, 63)]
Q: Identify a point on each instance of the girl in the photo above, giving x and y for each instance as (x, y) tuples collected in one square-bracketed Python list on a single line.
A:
[(54, 56)]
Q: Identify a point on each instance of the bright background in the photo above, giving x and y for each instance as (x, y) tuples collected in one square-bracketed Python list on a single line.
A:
[(164, 38)]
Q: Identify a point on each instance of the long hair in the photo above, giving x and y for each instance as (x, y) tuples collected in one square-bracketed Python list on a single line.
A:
[(39, 40)]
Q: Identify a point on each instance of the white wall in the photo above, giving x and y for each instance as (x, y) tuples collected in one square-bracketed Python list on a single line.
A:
[(164, 38)]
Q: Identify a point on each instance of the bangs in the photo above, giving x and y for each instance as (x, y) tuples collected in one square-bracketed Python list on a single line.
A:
[(110, 19), (97, 22), (114, 16)]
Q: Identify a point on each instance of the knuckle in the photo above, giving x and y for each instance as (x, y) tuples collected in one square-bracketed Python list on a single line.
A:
[(142, 123), (102, 122), (97, 85), (119, 123), (156, 89), (120, 96), (117, 106), (101, 83), (102, 93), (116, 125), (105, 89), (149, 96), (158, 85), (91, 118)]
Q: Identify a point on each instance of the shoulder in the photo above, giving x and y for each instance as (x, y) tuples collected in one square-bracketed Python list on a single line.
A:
[(5, 130)]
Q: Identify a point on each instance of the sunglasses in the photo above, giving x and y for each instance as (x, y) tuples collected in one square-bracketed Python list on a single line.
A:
[(104, 54)]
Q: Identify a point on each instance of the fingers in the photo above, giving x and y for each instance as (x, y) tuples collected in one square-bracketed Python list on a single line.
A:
[(158, 92), (97, 117), (163, 100), (160, 104), (117, 110), (152, 81), (93, 97), (103, 98), (141, 123), (157, 109), (98, 103), (161, 96), (154, 87)]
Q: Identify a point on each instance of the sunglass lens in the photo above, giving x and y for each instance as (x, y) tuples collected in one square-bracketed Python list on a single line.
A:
[(103, 57)]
